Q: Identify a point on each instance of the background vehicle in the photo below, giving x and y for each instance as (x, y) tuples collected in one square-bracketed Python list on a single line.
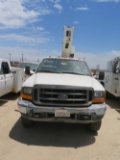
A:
[(111, 78), (11, 78), (33, 66)]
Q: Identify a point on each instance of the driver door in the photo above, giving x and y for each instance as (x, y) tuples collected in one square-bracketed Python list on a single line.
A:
[(8, 77), (2, 81)]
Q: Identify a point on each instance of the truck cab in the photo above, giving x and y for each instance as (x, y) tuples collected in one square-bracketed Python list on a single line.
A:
[(6, 77), (62, 90)]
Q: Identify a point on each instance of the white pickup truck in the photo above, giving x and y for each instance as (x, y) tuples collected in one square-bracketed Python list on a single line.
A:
[(62, 90), (11, 78)]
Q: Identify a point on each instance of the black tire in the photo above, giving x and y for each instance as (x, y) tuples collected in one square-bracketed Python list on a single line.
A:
[(25, 122), (95, 126)]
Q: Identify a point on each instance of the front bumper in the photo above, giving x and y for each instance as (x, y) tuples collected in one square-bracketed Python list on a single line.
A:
[(76, 115)]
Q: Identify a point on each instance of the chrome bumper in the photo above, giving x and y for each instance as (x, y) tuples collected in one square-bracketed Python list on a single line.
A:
[(41, 113)]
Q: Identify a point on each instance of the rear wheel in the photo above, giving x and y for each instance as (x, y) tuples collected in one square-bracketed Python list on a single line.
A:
[(25, 122), (95, 126)]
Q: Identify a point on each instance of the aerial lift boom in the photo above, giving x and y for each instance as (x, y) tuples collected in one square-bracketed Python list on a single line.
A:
[(67, 48)]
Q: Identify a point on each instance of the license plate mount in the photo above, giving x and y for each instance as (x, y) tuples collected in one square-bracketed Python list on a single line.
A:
[(62, 113)]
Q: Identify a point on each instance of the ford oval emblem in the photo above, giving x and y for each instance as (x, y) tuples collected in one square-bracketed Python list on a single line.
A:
[(62, 96)]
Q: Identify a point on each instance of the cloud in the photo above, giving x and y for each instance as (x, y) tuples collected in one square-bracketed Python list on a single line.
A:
[(30, 54), (81, 9), (55, 1), (76, 22), (38, 28), (17, 14), (98, 59), (58, 6), (14, 15), (116, 1), (44, 11), (25, 39)]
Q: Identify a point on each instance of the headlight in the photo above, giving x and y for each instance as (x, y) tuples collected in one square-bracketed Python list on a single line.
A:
[(99, 97), (99, 94), (27, 90)]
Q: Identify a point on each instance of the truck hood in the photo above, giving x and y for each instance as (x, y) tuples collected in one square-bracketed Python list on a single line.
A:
[(63, 79)]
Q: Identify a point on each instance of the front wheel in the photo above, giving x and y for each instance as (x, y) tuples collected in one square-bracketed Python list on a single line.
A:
[(25, 122), (95, 126)]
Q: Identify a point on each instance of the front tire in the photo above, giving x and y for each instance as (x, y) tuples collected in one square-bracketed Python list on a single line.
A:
[(25, 122), (95, 126)]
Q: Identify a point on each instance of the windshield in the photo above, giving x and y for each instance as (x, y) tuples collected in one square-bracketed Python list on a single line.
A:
[(64, 66)]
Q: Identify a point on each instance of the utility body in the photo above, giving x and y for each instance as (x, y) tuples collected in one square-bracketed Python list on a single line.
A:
[(110, 78), (11, 78)]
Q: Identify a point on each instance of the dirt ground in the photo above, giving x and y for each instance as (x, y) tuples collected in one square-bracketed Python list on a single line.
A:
[(51, 141)]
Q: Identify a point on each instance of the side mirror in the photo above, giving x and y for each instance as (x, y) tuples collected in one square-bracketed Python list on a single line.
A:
[(27, 70), (101, 75)]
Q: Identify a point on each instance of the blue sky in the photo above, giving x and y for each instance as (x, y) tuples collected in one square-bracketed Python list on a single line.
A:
[(35, 28)]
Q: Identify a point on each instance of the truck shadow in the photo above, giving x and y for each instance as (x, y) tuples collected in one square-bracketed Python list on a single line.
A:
[(8, 97), (53, 134), (114, 103)]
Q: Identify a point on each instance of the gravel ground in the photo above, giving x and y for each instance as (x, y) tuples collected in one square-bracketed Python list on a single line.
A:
[(51, 141)]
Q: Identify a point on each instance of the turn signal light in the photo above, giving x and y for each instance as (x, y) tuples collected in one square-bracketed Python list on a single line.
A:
[(98, 100), (29, 97)]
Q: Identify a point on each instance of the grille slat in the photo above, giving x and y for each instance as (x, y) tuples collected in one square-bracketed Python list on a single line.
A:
[(56, 93), (47, 95), (54, 99)]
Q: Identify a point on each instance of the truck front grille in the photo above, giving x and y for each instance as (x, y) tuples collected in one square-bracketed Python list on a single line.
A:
[(62, 96)]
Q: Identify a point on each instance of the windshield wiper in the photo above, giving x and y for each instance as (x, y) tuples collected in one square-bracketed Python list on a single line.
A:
[(72, 73), (47, 71)]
